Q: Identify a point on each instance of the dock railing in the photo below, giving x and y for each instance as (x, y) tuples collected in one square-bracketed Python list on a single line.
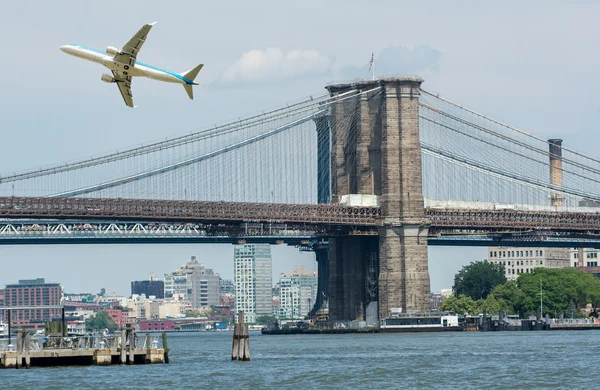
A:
[(112, 342)]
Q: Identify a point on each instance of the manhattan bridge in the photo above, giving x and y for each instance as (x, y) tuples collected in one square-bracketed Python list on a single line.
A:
[(366, 175)]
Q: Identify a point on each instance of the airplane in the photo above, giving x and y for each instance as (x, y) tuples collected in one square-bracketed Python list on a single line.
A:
[(124, 65)]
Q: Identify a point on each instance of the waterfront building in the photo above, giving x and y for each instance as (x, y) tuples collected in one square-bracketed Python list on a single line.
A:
[(297, 294), (33, 292), (252, 265), (152, 287), (518, 261), (157, 325), (142, 308)]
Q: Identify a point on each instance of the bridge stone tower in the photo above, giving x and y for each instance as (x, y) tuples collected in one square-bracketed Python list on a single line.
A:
[(375, 150)]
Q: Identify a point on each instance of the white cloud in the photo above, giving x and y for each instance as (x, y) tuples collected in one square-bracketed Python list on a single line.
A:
[(274, 64)]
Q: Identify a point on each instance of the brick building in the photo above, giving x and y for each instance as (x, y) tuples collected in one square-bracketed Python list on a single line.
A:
[(32, 292), (156, 325)]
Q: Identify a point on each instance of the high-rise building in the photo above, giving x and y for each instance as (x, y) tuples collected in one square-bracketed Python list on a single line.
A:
[(518, 261), (33, 292), (152, 287), (205, 287), (193, 283), (178, 284), (252, 266), (297, 294), (226, 286)]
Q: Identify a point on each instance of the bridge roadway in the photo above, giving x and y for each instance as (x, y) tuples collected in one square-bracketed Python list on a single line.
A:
[(85, 220)]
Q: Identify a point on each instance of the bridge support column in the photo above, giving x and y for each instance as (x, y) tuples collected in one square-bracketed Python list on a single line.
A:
[(322, 255), (351, 277), (376, 150), (403, 269)]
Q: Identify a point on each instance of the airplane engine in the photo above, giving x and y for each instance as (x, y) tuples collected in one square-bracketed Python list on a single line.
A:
[(113, 51), (107, 79)]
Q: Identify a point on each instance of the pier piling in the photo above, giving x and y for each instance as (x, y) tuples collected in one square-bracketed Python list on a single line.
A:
[(131, 345), (27, 342), (19, 348), (241, 341), (165, 347), (123, 346)]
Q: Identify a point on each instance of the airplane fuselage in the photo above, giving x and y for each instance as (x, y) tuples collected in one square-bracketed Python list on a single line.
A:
[(140, 69)]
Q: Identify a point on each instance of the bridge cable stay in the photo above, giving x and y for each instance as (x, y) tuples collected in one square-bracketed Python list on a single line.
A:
[(211, 165), (219, 130), (512, 167), (474, 113)]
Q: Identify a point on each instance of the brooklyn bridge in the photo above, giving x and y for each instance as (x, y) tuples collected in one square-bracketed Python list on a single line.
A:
[(366, 175)]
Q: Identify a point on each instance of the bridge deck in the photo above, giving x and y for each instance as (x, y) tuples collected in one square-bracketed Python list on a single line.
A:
[(318, 215)]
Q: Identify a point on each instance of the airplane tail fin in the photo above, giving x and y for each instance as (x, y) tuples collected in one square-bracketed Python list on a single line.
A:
[(189, 90), (192, 73)]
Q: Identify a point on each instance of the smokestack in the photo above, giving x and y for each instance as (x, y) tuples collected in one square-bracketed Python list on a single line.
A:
[(555, 149)]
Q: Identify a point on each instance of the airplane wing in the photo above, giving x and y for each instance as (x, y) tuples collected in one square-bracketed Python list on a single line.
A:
[(130, 50), (124, 84)]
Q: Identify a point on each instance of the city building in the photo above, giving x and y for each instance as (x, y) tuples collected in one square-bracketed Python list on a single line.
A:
[(435, 301), (252, 266), (298, 291), (226, 286), (79, 297), (193, 283), (178, 284), (33, 292), (156, 325), (152, 287), (517, 261), (584, 257), (142, 308), (205, 287)]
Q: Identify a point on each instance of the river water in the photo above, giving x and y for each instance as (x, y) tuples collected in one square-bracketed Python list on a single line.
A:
[(453, 360)]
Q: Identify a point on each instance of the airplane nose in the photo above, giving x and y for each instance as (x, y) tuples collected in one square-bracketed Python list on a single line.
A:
[(64, 48)]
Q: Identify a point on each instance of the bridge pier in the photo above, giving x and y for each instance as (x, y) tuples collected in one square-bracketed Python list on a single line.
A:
[(322, 257), (376, 151)]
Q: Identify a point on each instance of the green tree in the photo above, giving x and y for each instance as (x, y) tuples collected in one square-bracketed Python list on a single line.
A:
[(459, 304), (100, 322), (562, 290), (478, 279), (493, 305), (265, 320), (511, 295)]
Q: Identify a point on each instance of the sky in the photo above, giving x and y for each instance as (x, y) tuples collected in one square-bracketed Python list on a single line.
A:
[(531, 64)]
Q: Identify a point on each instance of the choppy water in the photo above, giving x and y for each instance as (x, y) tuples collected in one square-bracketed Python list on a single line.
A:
[(455, 360)]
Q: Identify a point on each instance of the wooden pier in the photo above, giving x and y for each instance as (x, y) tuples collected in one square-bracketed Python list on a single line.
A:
[(28, 354)]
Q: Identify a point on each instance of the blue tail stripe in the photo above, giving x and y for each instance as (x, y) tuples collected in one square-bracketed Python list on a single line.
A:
[(180, 77)]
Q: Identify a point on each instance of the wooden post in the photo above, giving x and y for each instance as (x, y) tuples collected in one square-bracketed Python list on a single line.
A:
[(123, 347), (131, 346), (241, 341), (245, 340), (165, 347), (19, 348), (27, 347)]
